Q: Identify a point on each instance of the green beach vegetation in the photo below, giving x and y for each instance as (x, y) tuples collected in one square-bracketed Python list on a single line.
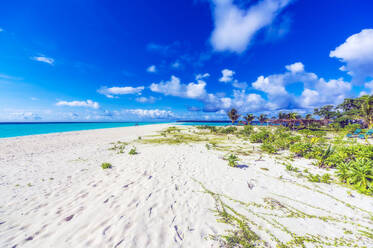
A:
[(325, 141), (106, 165)]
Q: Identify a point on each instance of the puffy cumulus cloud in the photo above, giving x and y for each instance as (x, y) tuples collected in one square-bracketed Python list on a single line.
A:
[(247, 102), (150, 113), (357, 53), (43, 59), (240, 100), (88, 104), (174, 87), (151, 69), (295, 68), (150, 99), (275, 85), (325, 92), (227, 76), (317, 91), (234, 28), (111, 92)]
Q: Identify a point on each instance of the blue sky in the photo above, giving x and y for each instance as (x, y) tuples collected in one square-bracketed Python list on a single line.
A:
[(152, 60)]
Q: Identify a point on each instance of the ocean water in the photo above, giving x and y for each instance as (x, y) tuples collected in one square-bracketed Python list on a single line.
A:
[(21, 129)]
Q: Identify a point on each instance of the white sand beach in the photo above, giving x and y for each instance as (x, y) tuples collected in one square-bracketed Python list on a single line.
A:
[(54, 193)]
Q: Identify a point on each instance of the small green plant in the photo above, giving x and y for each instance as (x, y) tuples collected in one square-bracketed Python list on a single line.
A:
[(133, 151), (326, 178), (118, 147), (260, 137), (247, 130), (289, 167), (268, 148), (232, 160), (106, 166), (208, 147), (315, 178)]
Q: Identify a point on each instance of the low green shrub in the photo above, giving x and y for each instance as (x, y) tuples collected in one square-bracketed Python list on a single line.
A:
[(232, 160), (261, 136), (247, 130), (301, 149), (133, 151), (106, 166), (268, 147), (228, 130)]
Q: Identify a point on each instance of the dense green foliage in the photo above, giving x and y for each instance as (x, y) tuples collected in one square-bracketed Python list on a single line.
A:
[(353, 162)]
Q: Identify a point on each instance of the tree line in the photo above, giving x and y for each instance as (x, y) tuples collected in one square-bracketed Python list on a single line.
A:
[(349, 111)]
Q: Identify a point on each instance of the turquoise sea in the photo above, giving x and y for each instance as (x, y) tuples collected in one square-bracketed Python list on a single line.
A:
[(21, 129)]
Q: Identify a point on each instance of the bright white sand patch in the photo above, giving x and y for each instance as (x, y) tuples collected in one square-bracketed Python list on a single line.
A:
[(53, 193)]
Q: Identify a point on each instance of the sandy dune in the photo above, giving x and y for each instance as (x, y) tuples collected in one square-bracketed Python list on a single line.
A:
[(53, 193)]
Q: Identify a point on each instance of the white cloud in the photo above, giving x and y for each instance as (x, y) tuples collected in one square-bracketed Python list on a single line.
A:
[(240, 100), (34, 98), (227, 76), (331, 92), (152, 69), (88, 104), (316, 90), (44, 59), (235, 28), (173, 87), (296, 67), (150, 99), (357, 53), (110, 92), (151, 113), (202, 76)]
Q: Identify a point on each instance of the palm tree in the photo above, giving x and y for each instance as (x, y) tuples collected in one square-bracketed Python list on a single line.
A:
[(249, 118), (262, 118), (367, 110), (282, 116), (308, 117), (233, 115)]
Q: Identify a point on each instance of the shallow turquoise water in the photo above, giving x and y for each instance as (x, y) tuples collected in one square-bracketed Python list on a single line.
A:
[(21, 129)]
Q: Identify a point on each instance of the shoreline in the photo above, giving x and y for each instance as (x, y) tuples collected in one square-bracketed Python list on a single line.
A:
[(61, 132)]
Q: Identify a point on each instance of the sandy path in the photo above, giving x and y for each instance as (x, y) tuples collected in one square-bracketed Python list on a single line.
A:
[(145, 200)]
